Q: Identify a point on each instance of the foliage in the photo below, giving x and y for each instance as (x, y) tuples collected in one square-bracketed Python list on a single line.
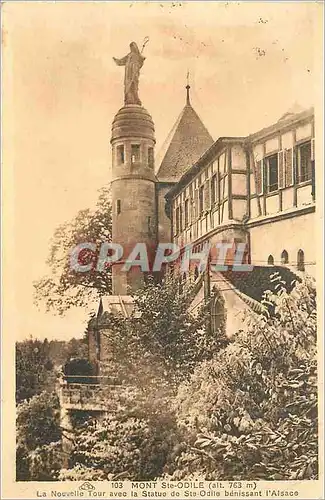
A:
[(150, 352), (131, 442), (251, 412), (65, 288), (163, 334), (38, 420), (116, 447), (79, 371), (36, 363), (38, 438), (186, 402), (45, 462), (76, 348), (33, 368), (259, 279)]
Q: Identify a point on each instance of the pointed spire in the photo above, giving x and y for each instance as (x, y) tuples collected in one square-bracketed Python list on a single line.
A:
[(186, 142), (188, 103)]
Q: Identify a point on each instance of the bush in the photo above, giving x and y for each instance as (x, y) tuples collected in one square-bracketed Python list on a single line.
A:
[(79, 371), (119, 448), (251, 412), (38, 453), (34, 369)]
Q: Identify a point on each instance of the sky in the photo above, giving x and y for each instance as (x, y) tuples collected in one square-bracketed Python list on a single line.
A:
[(248, 63)]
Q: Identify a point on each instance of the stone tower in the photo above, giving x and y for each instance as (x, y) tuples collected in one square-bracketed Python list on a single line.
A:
[(133, 191)]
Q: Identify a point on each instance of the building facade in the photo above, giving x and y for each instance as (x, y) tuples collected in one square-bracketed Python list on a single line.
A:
[(258, 190)]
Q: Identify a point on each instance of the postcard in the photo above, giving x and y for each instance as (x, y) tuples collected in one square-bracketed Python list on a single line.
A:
[(162, 264)]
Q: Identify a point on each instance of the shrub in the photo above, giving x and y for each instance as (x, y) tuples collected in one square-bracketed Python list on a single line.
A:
[(79, 371), (251, 412), (125, 448), (38, 438)]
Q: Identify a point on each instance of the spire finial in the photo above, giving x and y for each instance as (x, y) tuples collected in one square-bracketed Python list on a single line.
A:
[(188, 88)]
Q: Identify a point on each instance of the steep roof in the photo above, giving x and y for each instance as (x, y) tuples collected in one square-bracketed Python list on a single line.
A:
[(186, 143)]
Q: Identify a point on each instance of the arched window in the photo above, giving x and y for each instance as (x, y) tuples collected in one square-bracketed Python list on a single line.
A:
[(270, 260), (284, 257), (301, 260), (196, 273), (218, 315)]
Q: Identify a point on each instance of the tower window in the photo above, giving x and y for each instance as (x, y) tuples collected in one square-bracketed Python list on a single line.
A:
[(135, 153), (118, 207), (120, 154), (149, 226), (150, 158)]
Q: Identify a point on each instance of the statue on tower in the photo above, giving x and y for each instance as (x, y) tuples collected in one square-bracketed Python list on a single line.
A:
[(133, 62)]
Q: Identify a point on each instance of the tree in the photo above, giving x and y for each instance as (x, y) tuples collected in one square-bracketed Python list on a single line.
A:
[(251, 411), (38, 438), (152, 350), (125, 447), (64, 287), (161, 334), (33, 368)]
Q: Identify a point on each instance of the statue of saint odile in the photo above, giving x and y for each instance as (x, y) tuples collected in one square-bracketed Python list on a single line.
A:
[(133, 62)]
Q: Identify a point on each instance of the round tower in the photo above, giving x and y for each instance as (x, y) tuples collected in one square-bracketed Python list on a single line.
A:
[(133, 191)]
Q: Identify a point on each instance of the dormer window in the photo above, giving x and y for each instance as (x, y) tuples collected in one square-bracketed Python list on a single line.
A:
[(135, 153), (120, 154)]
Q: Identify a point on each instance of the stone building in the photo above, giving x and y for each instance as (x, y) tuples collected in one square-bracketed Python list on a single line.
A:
[(257, 190)]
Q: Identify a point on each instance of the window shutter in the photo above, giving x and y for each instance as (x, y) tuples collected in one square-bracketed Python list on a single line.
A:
[(258, 176), (309, 163), (288, 167), (192, 208), (265, 180), (313, 150), (281, 163), (196, 203), (206, 196), (175, 221), (295, 165)]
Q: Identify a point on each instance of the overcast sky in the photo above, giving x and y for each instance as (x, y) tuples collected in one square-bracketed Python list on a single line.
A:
[(248, 63)]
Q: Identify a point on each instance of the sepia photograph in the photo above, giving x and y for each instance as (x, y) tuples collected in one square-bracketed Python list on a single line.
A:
[(162, 208)]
